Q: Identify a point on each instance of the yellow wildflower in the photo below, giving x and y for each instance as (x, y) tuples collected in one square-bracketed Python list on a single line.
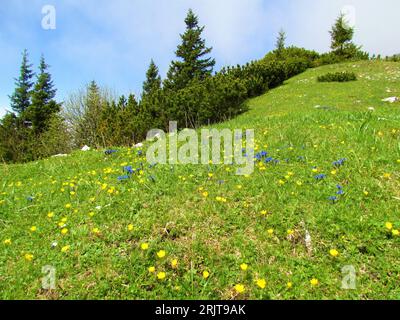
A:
[(28, 257), (314, 282), (261, 283), (65, 249), (161, 275), (387, 176), (240, 288), (174, 263), (334, 253), (152, 269), (389, 226)]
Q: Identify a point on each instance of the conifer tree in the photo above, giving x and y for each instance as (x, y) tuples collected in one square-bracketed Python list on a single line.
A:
[(341, 34), (153, 80), (280, 43), (43, 105), (20, 99), (192, 62)]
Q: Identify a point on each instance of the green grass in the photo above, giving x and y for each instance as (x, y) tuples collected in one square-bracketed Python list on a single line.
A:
[(172, 214)]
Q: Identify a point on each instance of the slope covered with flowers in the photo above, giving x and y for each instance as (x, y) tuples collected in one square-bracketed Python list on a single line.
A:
[(325, 195)]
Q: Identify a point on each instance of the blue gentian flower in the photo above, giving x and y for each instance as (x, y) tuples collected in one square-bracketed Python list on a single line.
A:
[(339, 163), (129, 169), (340, 190), (109, 152), (333, 199), (122, 178)]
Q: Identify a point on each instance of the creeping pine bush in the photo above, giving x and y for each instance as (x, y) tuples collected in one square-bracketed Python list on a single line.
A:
[(338, 77)]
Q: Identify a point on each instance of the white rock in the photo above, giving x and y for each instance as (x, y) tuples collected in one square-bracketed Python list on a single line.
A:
[(139, 145), (391, 99), (60, 155), (308, 242), (85, 148)]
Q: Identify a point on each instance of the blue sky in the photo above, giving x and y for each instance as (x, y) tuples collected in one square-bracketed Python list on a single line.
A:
[(113, 41)]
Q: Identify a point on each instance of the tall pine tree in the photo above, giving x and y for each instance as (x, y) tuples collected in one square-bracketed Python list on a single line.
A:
[(43, 104), (20, 99), (153, 80), (192, 63)]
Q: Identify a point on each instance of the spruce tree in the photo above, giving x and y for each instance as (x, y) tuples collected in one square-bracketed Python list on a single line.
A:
[(20, 99), (43, 105), (341, 34), (280, 43), (192, 63), (153, 80)]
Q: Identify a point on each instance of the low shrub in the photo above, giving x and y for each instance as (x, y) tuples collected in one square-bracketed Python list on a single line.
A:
[(338, 77)]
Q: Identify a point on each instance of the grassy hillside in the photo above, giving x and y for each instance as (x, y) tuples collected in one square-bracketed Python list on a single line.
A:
[(102, 235)]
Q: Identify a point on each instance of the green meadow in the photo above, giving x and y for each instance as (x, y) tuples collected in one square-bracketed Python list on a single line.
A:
[(323, 202)]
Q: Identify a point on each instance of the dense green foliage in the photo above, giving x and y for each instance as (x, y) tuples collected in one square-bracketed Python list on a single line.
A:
[(36, 129), (192, 94), (338, 77)]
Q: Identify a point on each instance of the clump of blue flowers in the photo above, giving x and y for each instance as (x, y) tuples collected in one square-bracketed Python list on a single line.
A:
[(339, 163), (110, 152), (339, 192), (320, 177), (129, 170)]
